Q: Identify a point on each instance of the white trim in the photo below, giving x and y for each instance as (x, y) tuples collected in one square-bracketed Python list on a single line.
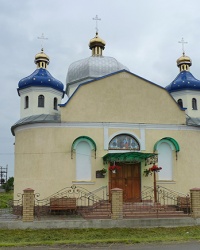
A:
[(165, 182), (110, 125), (40, 89), (143, 139), (106, 141), (185, 93), (83, 182)]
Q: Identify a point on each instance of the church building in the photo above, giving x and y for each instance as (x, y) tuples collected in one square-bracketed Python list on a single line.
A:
[(114, 126)]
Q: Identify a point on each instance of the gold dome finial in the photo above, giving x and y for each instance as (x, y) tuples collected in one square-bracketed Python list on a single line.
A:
[(97, 45), (184, 62), (41, 60)]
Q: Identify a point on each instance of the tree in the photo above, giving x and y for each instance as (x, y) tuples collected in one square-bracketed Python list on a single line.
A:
[(9, 185)]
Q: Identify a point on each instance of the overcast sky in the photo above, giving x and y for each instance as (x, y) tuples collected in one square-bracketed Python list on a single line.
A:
[(141, 34)]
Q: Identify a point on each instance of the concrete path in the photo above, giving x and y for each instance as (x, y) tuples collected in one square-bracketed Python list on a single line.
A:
[(194, 245)]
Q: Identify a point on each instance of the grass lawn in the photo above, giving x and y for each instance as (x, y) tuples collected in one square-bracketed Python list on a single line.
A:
[(4, 198), (94, 236)]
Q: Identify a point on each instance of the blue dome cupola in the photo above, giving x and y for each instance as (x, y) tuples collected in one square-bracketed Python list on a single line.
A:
[(185, 88), (40, 92), (184, 80)]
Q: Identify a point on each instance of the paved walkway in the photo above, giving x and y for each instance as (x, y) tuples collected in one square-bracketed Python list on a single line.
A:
[(194, 245)]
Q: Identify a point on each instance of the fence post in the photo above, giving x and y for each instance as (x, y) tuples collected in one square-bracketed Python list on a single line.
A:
[(28, 205), (117, 204), (195, 202)]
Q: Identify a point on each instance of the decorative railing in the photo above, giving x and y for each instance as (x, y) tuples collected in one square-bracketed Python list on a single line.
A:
[(169, 203), (71, 200)]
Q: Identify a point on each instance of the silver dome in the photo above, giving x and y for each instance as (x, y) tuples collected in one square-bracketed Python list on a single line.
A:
[(91, 68)]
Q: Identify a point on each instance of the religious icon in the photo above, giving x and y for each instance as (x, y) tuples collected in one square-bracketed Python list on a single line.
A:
[(124, 142)]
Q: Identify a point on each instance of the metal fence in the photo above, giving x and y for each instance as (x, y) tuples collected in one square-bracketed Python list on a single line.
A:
[(168, 203), (73, 201), (78, 202), (12, 209)]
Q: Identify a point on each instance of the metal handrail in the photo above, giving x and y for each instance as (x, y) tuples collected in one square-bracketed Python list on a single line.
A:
[(174, 192), (167, 189)]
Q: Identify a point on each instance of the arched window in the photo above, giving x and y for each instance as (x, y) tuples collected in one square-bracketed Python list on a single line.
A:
[(83, 161), (194, 103), (165, 149), (26, 103), (124, 141), (83, 147), (165, 161), (180, 103), (55, 103), (41, 101)]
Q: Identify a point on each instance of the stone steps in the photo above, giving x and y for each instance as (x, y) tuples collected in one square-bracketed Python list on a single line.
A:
[(154, 215), (133, 210)]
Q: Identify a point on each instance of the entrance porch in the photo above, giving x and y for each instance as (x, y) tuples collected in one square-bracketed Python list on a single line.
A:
[(126, 173)]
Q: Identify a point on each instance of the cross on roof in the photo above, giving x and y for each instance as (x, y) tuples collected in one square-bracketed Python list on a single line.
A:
[(96, 18), (183, 42), (42, 39)]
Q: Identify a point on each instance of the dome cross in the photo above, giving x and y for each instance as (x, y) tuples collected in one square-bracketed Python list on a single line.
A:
[(183, 42), (96, 18), (42, 38)]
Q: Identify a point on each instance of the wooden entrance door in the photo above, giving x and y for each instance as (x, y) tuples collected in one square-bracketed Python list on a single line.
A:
[(128, 178)]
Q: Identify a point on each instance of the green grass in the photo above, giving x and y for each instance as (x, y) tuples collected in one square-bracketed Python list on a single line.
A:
[(95, 236), (4, 198)]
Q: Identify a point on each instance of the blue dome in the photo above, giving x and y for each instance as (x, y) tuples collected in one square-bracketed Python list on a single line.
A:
[(40, 78), (184, 81)]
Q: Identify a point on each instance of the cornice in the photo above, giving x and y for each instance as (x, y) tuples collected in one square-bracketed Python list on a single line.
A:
[(108, 126)]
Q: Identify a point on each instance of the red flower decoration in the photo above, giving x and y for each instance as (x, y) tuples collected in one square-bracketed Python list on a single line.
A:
[(155, 168), (115, 167)]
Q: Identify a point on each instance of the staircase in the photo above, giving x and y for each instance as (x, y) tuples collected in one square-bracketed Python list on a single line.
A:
[(151, 210), (102, 210), (99, 210)]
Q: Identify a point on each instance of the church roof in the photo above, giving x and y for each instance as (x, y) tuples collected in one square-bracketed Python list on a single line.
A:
[(40, 78), (184, 81), (94, 66), (43, 118), (193, 121)]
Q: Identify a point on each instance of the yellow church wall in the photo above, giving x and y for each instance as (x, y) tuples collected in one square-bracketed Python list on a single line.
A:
[(122, 95), (185, 169), (46, 165), (43, 158)]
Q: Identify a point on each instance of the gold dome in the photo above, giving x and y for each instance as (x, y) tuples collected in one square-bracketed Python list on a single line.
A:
[(184, 60), (95, 40), (96, 43), (41, 59)]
